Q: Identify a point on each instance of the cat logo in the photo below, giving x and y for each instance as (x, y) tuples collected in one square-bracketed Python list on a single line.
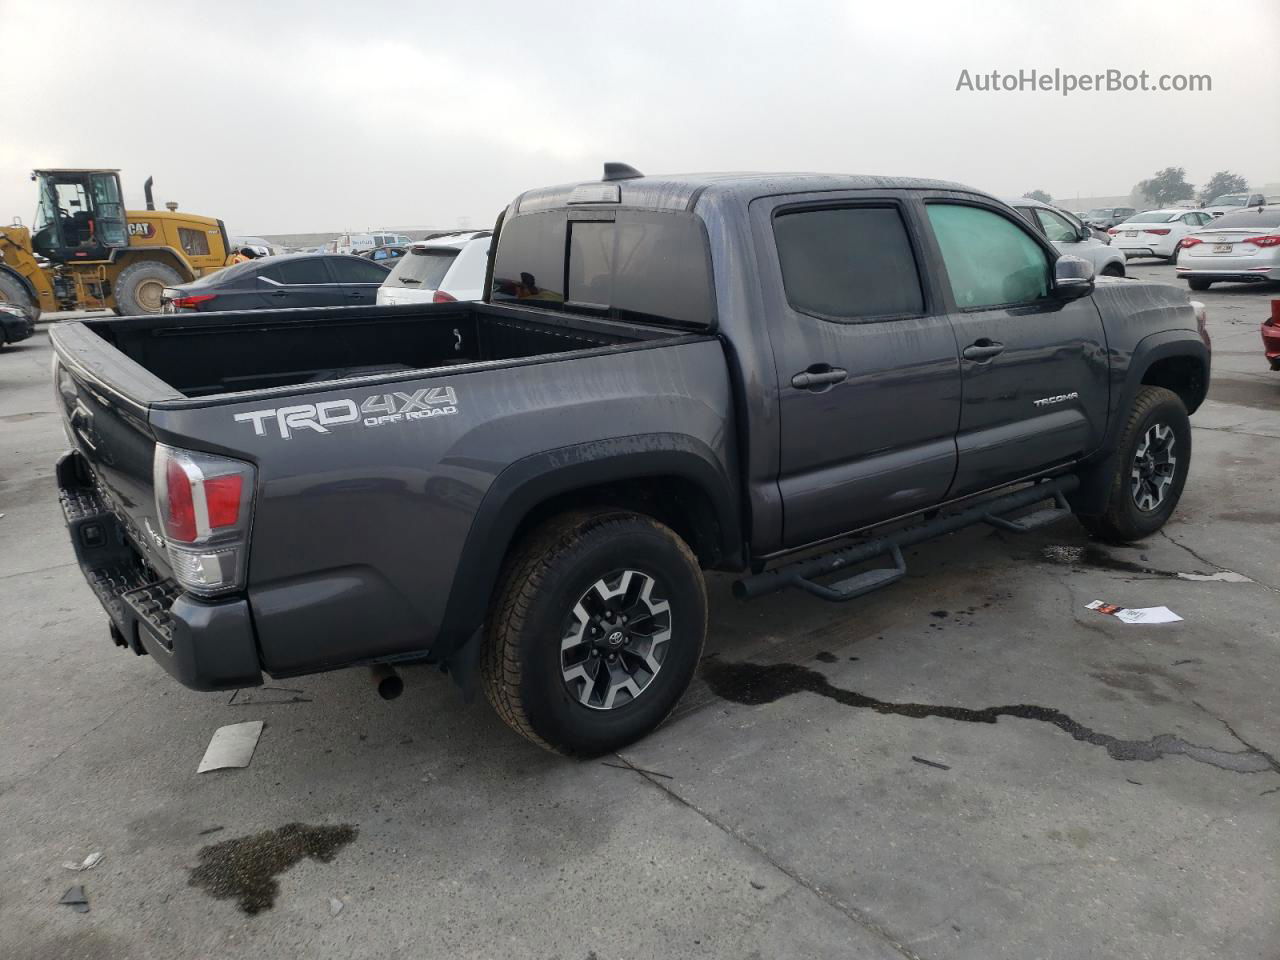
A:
[(142, 228)]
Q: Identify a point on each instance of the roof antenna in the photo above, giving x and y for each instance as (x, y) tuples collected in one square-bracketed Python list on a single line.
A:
[(619, 171)]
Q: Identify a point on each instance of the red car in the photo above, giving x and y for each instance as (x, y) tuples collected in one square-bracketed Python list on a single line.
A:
[(1271, 336)]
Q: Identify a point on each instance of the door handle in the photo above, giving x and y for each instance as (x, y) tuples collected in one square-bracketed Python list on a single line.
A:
[(819, 375), (279, 294), (982, 350)]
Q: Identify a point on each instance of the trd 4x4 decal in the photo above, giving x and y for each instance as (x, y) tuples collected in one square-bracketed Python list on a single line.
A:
[(377, 410)]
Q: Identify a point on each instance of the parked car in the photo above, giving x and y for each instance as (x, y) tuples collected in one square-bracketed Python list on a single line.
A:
[(1234, 203), (1070, 236), (1239, 247), (289, 280), (16, 323), (1157, 233), (259, 246), (439, 270), (1107, 217), (387, 256), (1271, 336), (732, 372)]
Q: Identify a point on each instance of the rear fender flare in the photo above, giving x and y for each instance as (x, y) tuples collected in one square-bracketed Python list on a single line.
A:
[(527, 483)]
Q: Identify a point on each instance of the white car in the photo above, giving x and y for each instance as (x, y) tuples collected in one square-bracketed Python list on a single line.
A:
[(1157, 233), (1234, 203), (1070, 235), (439, 270), (1237, 247)]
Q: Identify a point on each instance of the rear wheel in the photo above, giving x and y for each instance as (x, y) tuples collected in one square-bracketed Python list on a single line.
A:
[(138, 287), (12, 291), (1150, 469), (597, 631), (1199, 284)]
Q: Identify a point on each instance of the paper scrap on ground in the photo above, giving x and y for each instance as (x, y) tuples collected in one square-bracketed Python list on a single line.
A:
[(89, 862), (231, 746), (1226, 576), (1135, 614)]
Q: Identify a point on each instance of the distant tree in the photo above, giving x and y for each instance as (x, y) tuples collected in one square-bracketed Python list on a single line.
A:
[(1224, 181), (1167, 188), (1041, 195)]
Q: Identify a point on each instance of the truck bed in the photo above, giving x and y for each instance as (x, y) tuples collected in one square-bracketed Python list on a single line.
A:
[(253, 350)]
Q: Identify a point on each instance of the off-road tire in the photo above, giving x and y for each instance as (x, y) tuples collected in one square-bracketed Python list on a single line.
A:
[(542, 579), (144, 272), (11, 291), (1199, 285), (1123, 521)]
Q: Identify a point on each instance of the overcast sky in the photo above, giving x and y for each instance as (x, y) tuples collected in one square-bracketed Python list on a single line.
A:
[(290, 117)]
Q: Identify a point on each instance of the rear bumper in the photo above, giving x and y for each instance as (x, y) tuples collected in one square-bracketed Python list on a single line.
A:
[(205, 646), (1257, 274), (1271, 344)]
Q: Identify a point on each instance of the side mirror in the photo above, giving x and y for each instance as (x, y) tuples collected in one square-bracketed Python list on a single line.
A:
[(1072, 277), (1084, 232)]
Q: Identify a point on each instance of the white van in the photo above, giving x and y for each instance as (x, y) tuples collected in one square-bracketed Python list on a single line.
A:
[(439, 270), (356, 242)]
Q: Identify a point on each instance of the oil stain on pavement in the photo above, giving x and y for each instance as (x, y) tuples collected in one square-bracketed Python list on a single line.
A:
[(754, 684), (246, 868)]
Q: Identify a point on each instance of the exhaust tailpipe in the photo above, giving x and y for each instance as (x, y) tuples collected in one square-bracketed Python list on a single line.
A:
[(146, 189), (388, 680)]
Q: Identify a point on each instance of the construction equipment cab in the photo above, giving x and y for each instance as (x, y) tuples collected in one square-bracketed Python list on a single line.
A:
[(86, 252)]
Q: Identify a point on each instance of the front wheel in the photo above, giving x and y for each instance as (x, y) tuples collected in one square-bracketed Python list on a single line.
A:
[(597, 630), (1149, 468)]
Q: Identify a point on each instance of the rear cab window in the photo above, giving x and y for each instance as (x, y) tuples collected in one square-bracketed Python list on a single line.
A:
[(848, 263), (605, 263), (990, 260)]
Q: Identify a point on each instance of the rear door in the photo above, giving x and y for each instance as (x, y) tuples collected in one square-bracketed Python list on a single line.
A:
[(357, 280), (865, 358), (299, 282), (1033, 366)]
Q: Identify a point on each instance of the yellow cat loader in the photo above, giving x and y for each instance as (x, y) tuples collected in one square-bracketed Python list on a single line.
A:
[(86, 252)]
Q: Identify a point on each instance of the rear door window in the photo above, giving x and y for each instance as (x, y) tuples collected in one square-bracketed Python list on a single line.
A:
[(848, 263), (356, 270), (297, 272), (990, 260), (422, 268)]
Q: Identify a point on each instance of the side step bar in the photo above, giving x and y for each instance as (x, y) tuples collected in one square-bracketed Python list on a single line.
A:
[(801, 574)]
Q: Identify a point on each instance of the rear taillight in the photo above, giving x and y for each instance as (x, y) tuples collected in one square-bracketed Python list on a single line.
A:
[(1159, 233), (193, 303), (1113, 231), (1270, 240), (1191, 241), (203, 503), (441, 297)]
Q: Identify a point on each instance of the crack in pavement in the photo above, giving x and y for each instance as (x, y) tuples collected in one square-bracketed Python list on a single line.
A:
[(1217, 566), (754, 684), (852, 913)]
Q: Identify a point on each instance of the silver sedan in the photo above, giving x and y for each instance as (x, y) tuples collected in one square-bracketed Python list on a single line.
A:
[(1238, 247)]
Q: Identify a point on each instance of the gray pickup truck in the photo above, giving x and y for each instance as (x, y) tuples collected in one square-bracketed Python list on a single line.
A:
[(791, 377)]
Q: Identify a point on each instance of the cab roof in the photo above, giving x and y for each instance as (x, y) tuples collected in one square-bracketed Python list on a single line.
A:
[(682, 191)]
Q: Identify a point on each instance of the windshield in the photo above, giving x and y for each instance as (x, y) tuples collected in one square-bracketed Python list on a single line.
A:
[(422, 268), (1229, 200), (1154, 216)]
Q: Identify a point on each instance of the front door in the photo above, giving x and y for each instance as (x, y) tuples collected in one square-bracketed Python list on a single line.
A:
[(1033, 365), (868, 376)]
